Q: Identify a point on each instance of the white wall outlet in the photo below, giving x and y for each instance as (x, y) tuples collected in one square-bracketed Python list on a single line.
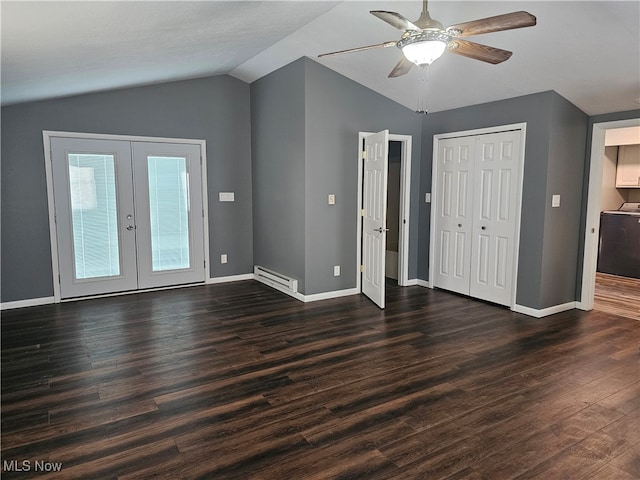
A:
[(331, 199), (555, 200), (427, 197), (336, 271), (223, 258), (227, 196)]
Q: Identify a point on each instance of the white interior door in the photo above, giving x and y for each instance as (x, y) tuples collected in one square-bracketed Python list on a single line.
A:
[(93, 195), (374, 194), (128, 215), (454, 213), (497, 165), (169, 225)]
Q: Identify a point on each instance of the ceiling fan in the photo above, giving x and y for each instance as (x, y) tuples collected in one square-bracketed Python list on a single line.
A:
[(425, 40)]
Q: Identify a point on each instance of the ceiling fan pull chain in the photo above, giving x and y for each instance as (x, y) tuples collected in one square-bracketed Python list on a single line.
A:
[(422, 90)]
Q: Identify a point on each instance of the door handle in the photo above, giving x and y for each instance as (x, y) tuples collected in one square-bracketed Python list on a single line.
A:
[(130, 227), (380, 230)]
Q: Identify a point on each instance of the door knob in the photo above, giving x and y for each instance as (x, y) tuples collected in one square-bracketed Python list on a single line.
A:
[(483, 227), (130, 227), (459, 225), (380, 229)]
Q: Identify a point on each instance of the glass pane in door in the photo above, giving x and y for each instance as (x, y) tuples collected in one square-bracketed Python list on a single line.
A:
[(169, 212), (92, 190)]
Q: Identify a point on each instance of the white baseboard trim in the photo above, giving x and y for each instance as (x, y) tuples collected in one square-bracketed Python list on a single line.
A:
[(32, 302), (313, 297), (423, 283), (532, 312), (327, 295), (230, 278)]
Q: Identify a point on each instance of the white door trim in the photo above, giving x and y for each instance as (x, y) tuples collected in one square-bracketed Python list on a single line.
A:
[(48, 134), (594, 195), (405, 196), (434, 194)]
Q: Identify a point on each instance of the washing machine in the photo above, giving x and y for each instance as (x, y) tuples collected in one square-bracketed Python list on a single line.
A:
[(619, 251)]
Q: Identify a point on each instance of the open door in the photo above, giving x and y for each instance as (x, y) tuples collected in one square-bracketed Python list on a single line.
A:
[(374, 193)]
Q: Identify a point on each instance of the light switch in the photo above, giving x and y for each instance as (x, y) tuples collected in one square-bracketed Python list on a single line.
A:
[(227, 196), (336, 270), (555, 200), (427, 197), (331, 199), (223, 258)]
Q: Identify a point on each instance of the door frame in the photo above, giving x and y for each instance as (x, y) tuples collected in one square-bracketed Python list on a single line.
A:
[(46, 137), (519, 182), (405, 195), (594, 196)]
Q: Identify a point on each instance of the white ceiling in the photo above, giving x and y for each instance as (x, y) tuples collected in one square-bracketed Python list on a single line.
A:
[(589, 51)]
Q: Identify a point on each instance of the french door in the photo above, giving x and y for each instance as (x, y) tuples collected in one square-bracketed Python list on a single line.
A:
[(128, 214)]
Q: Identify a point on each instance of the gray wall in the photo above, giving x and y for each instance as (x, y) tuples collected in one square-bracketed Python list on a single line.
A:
[(215, 109), (305, 121), (540, 111), (278, 145), (565, 171), (336, 110)]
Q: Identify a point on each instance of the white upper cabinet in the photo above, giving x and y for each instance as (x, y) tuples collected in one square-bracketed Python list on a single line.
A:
[(628, 171)]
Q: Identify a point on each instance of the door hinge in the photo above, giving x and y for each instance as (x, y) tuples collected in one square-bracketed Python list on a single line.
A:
[(362, 212), (361, 268), (364, 154)]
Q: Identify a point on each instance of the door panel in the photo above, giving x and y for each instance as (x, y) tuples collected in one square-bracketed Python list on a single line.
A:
[(93, 195), (453, 243), (375, 216), (170, 232), (494, 217)]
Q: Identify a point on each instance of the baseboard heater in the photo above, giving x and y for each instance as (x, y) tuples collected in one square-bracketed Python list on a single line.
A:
[(275, 279)]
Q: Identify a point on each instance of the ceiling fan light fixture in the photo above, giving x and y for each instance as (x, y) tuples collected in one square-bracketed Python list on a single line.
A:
[(424, 53), (425, 48)]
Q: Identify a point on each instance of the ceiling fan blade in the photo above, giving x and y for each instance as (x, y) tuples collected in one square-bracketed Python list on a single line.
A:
[(359, 49), (508, 21), (394, 19), (478, 51), (401, 68)]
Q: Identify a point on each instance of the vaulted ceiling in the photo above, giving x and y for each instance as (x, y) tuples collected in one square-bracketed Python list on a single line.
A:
[(589, 51)]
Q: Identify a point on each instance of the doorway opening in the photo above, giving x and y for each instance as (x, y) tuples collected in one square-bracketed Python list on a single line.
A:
[(396, 256), (598, 165)]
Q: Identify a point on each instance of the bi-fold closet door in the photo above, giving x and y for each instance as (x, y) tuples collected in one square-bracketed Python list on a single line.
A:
[(476, 214), (128, 214)]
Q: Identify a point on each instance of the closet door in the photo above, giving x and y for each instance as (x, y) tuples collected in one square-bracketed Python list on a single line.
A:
[(454, 213), (94, 211), (495, 197), (169, 227)]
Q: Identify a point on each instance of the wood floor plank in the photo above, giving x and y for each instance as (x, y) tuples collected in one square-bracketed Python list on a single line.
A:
[(240, 381)]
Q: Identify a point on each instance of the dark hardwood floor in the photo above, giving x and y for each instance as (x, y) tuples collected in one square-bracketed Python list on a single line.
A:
[(240, 381), (617, 295)]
